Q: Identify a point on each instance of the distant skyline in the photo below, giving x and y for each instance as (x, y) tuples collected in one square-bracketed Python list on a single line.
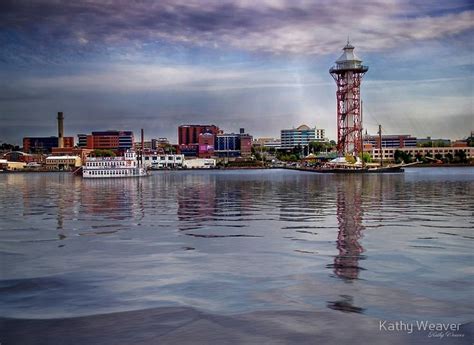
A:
[(261, 65)]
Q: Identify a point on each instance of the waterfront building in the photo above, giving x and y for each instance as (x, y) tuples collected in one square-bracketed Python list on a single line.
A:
[(388, 154), (82, 140), (82, 152), (154, 160), (189, 134), (460, 143), (200, 163), (245, 145), (11, 166), (395, 140), (189, 137), (434, 142), (18, 156), (156, 143), (111, 140), (63, 162), (44, 144), (206, 143), (147, 145), (301, 136), (189, 150), (267, 142), (228, 145)]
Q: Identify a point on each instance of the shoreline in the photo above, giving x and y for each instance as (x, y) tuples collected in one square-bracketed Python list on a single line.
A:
[(241, 168)]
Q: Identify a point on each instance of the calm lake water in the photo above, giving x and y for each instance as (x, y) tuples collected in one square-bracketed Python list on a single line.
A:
[(258, 256)]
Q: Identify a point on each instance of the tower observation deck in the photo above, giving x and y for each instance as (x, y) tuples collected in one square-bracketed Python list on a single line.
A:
[(348, 72)]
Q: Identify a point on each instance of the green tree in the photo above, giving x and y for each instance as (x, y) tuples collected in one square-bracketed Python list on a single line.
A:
[(402, 157), (366, 157), (103, 153), (350, 159), (460, 156), (449, 157)]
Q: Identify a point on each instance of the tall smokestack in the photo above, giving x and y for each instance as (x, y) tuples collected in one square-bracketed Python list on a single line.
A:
[(60, 130), (143, 146)]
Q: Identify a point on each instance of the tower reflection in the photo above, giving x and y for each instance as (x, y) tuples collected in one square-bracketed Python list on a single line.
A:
[(349, 217), (349, 213)]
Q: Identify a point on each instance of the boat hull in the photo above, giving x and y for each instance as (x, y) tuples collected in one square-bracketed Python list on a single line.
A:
[(93, 174)]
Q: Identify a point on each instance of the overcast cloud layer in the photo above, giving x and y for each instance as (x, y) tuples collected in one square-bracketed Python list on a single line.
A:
[(255, 64)]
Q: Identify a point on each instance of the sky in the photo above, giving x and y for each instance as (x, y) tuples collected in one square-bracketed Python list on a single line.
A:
[(261, 65)]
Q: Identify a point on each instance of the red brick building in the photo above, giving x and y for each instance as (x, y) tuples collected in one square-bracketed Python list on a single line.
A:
[(107, 140), (206, 145), (189, 134), (193, 142), (246, 145)]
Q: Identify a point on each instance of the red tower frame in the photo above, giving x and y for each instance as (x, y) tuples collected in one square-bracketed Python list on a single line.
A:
[(348, 73)]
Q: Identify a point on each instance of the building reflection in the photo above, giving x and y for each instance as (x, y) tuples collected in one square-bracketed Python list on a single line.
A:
[(202, 203), (117, 199), (196, 201)]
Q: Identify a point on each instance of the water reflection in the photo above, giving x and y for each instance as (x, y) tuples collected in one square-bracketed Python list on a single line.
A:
[(117, 199), (349, 217), (197, 201), (345, 304), (238, 241)]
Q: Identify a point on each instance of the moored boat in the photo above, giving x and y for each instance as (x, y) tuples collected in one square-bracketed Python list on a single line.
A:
[(113, 167)]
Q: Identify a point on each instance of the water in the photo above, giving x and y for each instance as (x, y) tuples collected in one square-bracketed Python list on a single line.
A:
[(256, 256)]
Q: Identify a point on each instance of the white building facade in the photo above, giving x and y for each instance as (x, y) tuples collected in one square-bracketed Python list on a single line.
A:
[(200, 163), (160, 161), (300, 136), (63, 162), (388, 154)]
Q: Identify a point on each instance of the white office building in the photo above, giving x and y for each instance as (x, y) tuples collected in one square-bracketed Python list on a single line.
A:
[(163, 161), (300, 136)]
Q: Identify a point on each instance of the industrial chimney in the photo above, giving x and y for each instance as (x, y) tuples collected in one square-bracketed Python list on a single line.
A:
[(60, 130)]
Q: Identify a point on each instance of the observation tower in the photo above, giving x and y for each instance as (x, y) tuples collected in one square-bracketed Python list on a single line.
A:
[(348, 72)]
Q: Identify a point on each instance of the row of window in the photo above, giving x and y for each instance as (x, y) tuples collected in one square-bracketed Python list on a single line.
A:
[(107, 164), (162, 158), (423, 151), (111, 172), (65, 161)]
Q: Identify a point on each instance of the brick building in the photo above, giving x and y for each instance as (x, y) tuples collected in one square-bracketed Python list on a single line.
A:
[(44, 144)]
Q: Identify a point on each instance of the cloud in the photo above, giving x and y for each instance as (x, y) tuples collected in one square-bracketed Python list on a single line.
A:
[(136, 78), (275, 27)]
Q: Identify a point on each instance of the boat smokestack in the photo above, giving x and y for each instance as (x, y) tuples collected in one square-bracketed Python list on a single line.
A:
[(60, 130), (143, 146)]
